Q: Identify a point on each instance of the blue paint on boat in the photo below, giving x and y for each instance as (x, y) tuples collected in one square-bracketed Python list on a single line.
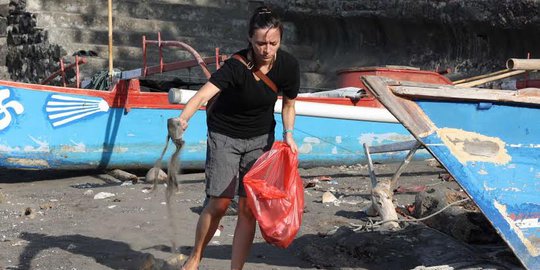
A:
[(55, 130), (489, 140), (508, 193)]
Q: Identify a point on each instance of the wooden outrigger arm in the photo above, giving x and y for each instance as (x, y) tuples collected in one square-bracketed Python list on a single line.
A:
[(63, 69), (165, 67)]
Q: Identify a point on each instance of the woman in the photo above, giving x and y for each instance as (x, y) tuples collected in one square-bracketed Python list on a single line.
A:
[(241, 128)]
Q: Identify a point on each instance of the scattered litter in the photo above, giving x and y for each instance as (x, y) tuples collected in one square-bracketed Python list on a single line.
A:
[(71, 246), (147, 190), (127, 183), (88, 193), (19, 243), (325, 178), (83, 186), (433, 163), (332, 231), (53, 200), (103, 195), (164, 203), (310, 185), (111, 206), (328, 197)]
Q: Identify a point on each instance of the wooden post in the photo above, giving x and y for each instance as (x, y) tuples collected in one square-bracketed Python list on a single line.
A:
[(404, 164), (110, 41)]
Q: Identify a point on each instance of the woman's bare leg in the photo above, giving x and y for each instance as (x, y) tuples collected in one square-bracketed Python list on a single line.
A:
[(206, 227), (243, 235)]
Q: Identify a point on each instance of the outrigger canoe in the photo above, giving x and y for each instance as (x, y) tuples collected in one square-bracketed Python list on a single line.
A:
[(489, 141), (49, 127)]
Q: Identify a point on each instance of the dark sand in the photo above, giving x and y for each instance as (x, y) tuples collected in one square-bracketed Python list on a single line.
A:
[(50, 220)]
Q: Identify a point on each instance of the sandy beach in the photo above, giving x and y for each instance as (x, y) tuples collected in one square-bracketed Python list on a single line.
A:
[(52, 220)]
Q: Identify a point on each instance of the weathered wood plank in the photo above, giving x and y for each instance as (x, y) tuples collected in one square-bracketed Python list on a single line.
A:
[(406, 111), (529, 96)]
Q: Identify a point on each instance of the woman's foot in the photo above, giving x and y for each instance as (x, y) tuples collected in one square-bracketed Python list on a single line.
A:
[(190, 265)]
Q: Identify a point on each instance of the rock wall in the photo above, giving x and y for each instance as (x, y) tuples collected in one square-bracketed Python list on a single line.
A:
[(467, 37), (30, 57)]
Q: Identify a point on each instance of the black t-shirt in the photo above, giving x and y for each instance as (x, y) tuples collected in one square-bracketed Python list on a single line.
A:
[(245, 106)]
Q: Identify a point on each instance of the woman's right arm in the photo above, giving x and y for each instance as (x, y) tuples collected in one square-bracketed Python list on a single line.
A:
[(207, 91)]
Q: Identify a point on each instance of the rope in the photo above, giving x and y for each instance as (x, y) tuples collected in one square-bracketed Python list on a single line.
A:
[(326, 141), (436, 213), (371, 226)]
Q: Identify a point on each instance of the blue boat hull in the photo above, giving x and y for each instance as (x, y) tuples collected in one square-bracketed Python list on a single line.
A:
[(65, 130), (489, 140), (506, 188)]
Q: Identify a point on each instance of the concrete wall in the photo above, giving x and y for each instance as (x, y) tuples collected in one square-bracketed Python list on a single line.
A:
[(469, 37)]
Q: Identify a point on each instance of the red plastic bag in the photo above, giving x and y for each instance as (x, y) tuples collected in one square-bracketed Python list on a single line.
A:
[(275, 194)]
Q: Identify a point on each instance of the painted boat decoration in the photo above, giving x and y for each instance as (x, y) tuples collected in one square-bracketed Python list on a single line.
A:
[(489, 141)]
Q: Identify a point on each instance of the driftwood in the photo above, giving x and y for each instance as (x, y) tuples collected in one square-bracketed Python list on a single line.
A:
[(382, 190), (123, 175), (381, 196)]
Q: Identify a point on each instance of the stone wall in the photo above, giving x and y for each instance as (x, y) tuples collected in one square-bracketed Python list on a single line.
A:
[(30, 57), (4, 13), (469, 37)]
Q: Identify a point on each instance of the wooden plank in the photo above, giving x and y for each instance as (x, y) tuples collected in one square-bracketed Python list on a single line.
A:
[(491, 78), (471, 94), (406, 111), (475, 78)]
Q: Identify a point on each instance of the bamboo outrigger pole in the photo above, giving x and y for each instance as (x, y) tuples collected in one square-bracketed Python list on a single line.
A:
[(110, 41)]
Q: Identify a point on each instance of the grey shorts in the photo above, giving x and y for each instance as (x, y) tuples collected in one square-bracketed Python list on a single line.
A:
[(229, 159)]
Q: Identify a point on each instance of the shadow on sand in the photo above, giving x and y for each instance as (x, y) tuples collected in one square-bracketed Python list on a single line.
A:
[(416, 245)]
